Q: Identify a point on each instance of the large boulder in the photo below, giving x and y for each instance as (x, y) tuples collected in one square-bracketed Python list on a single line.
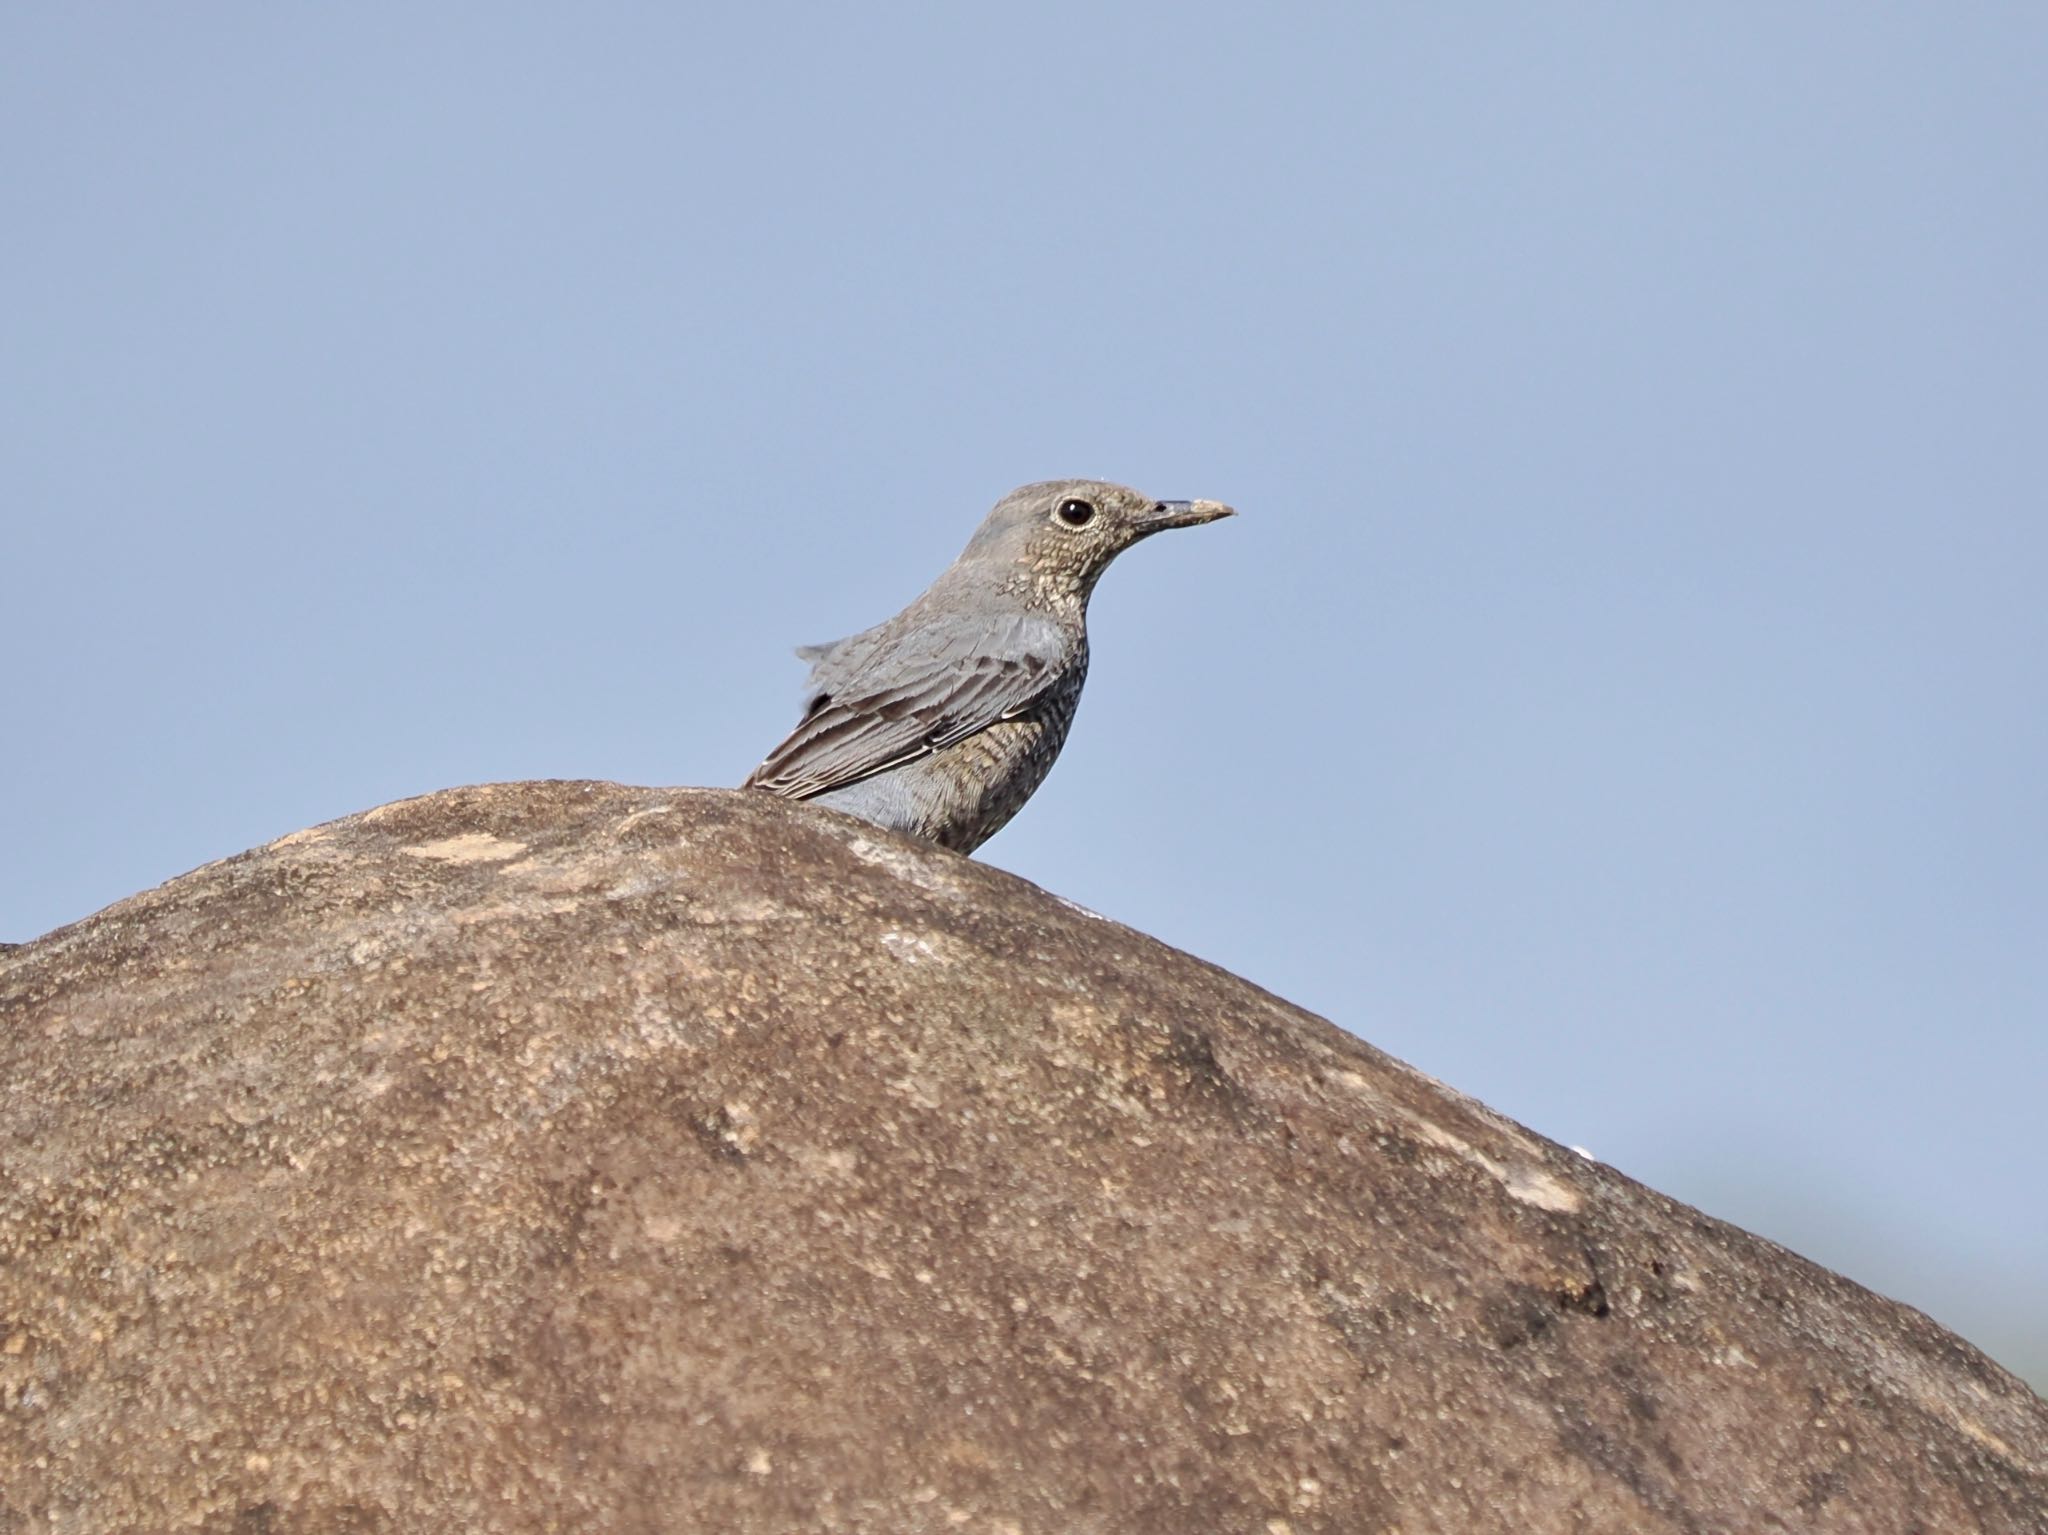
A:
[(573, 1157)]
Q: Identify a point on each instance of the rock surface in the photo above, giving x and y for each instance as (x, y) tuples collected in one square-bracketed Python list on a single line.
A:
[(574, 1157)]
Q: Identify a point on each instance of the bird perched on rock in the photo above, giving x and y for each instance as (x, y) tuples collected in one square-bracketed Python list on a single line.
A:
[(943, 720)]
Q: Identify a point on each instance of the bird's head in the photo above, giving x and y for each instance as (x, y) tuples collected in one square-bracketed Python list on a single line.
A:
[(1060, 535)]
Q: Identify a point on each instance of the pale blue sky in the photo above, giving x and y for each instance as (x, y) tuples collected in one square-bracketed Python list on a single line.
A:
[(1624, 695)]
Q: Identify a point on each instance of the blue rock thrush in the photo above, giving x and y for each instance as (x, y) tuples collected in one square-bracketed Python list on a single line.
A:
[(942, 721)]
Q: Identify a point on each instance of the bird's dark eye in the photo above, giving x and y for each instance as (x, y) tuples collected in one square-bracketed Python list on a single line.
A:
[(1076, 513)]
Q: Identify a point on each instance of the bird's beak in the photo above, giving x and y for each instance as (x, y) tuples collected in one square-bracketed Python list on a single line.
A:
[(1181, 514)]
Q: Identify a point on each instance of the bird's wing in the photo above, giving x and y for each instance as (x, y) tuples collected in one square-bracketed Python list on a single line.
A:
[(833, 662), (916, 691)]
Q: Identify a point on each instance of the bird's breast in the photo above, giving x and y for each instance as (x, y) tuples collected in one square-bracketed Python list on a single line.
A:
[(985, 779)]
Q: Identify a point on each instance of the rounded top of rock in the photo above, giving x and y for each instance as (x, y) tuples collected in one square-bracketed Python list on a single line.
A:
[(566, 1155)]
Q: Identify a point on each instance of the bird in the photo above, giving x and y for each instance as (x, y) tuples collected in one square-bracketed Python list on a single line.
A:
[(942, 721)]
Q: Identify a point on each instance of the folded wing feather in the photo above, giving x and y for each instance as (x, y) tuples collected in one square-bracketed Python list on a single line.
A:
[(879, 699)]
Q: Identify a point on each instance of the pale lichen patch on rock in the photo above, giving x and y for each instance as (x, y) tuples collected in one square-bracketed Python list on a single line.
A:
[(1534, 1186), (514, 911), (917, 866), (310, 836), (630, 822), (467, 847), (911, 948)]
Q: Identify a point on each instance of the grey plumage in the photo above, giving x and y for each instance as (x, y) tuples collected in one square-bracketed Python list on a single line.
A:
[(943, 720)]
